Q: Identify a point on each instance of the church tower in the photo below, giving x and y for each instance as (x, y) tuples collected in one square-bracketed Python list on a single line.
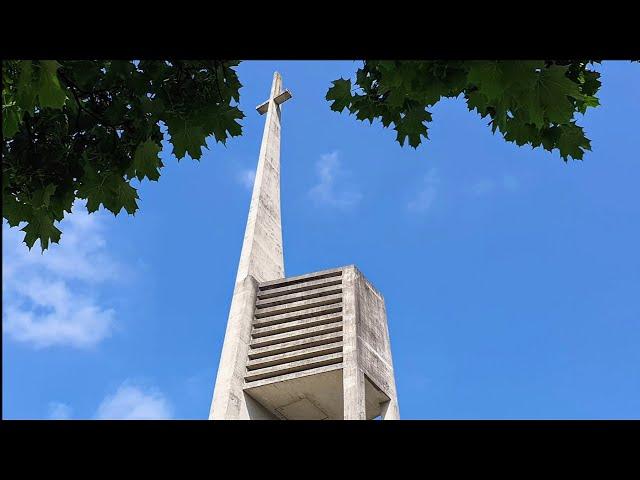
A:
[(309, 347)]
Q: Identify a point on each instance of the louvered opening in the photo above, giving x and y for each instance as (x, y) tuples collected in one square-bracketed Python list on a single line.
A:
[(297, 325)]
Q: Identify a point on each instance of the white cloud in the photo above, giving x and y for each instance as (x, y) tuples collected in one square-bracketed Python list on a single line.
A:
[(134, 402), (483, 186), (427, 195), (509, 182), (59, 411), (325, 191), (50, 298), (247, 177), (48, 313), (486, 186)]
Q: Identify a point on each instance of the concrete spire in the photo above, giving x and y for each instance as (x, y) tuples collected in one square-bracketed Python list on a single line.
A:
[(262, 256), (261, 260)]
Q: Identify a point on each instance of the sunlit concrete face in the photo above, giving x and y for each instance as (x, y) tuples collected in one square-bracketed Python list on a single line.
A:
[(310, 347), (319, 349)]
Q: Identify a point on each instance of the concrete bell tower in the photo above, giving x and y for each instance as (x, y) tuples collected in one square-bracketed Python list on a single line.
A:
[(309, 347)]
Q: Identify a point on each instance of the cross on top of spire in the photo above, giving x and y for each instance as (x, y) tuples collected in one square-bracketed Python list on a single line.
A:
[(277, 96)]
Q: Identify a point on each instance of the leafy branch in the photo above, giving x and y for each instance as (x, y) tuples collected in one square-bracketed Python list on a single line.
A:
[(528, 102)]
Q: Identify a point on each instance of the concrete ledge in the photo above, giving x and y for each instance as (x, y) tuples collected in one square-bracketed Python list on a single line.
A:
[(300, 287), (295, 297), (292, 367), (299, 305), (291, 376), (289, 317), (289, 357), (289, 326), (296, 335), (334, 272)]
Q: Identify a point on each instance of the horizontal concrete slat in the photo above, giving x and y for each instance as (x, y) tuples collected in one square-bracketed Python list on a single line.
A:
[(290, 357), (336, 272), (296, 335), (292, 345), (299, 296), (296, 325), (296, 306), (300, 287), (299, 315), (292, 367)]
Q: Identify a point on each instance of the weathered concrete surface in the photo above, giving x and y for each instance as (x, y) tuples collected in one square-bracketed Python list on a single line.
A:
[(287, 372), (303, 333), (228, 398), (262, 255), (297, 344), (374, 346), (321, 388), (261, 260)]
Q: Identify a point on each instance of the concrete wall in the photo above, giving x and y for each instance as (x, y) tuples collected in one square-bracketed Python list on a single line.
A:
[(367, 351)]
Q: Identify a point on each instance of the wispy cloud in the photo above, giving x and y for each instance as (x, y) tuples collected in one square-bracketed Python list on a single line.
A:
[(59, 411), (246, 178), (426, 195), (327, 191), (50, 298), (130, 401), (485, 186), (134, 402)]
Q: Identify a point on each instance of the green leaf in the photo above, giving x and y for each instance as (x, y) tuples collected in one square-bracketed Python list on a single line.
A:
[(412, 126), (519, 132), (572, 142), (61, 202), (92, 188), (340, 93), (50, 92), (519, 76), (186, 137), (108, 189), (42, 197), (40, 227), (13, 210), (548, 99), (26, 91), (146, 161), (125, 196), (221, 122), (478, 101), (10, 120), (488, 77), (591, 84)]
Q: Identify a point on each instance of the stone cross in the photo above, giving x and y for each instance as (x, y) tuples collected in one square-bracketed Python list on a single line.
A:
[(277, 97)]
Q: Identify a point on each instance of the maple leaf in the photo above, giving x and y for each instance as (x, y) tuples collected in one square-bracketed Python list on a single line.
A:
[(146, 161), (412, 126), (488, 77), (572, 142), (40, 227), (186, 137), (50, 92), (340, 93)]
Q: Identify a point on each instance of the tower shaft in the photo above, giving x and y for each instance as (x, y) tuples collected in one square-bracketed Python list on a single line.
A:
[(261, 260)]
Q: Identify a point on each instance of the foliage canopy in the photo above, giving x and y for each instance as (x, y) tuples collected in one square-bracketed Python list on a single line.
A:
[(528, 102), (86, 129)]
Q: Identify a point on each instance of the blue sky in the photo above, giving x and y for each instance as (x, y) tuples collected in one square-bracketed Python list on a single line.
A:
[(512, 279)]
